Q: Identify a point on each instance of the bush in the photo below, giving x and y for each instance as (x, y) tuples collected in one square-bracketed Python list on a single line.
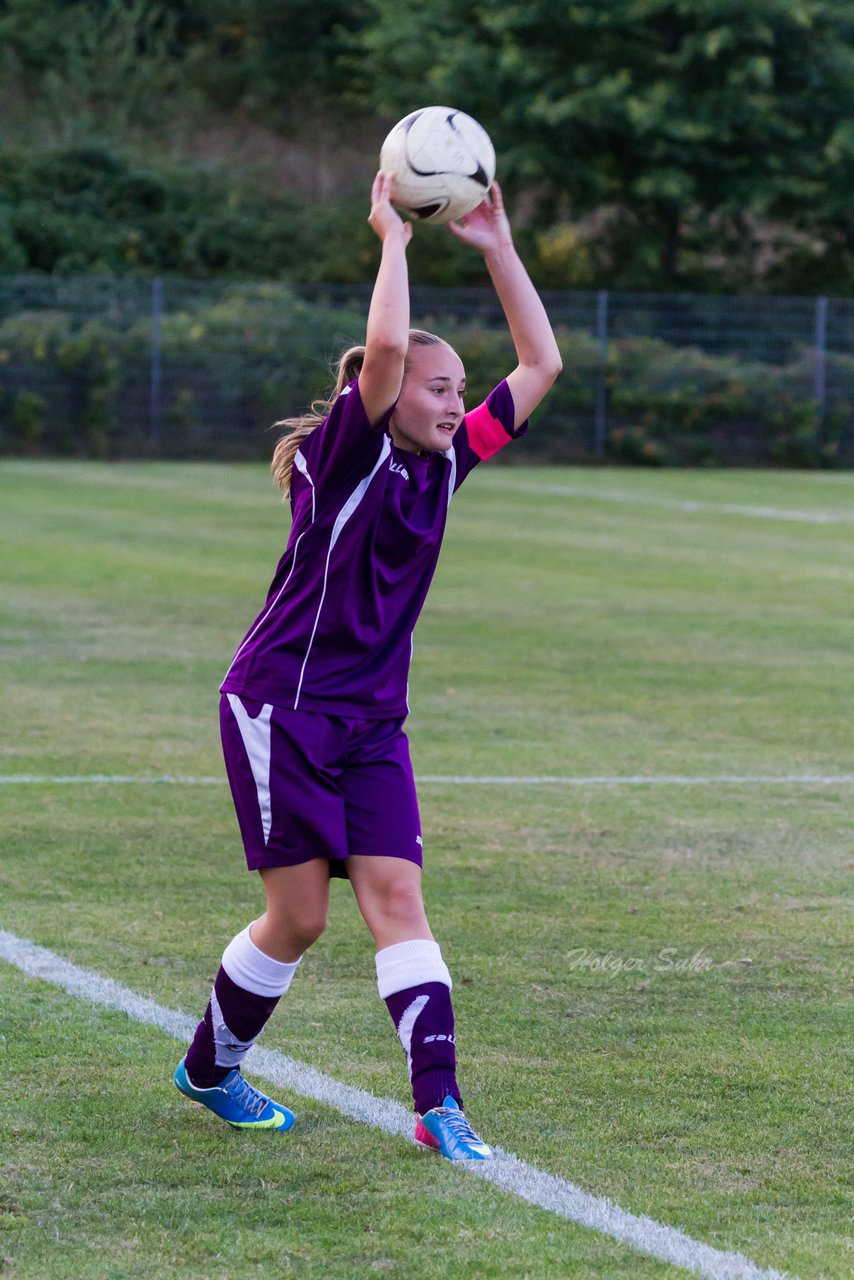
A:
[(234, 358), (28, 418), (87, 210)]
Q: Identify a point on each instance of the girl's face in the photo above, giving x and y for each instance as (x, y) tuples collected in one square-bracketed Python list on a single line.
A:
[(430, 406)]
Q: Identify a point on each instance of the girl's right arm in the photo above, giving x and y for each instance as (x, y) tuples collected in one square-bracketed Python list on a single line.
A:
[(387, 338)]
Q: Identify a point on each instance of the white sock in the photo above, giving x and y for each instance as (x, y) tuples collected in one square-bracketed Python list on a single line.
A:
[(255, 971), (409, 964)]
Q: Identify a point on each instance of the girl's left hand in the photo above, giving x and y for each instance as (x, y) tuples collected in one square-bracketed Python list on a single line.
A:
[(487, 227)]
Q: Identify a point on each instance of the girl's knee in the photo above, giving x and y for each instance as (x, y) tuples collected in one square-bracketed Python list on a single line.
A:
[(401, 901), (296, 930), (297, 904), (305, 930)]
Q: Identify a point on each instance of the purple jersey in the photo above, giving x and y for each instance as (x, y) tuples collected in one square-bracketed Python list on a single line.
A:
[(335, 634)]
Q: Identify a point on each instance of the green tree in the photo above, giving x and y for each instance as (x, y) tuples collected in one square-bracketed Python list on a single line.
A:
[(84, 62), (702, 125), (122, 55), (266, 55)]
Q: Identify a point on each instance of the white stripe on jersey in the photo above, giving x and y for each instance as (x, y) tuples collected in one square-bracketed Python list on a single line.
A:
[(259, 624), (452, 458), (256, 739), (301, 464), (411, 655), (341, 519)]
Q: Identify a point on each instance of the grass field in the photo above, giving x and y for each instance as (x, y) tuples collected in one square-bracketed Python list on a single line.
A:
[(583, 624)]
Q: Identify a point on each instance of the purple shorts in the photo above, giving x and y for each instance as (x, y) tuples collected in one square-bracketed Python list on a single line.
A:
[(312, 786)]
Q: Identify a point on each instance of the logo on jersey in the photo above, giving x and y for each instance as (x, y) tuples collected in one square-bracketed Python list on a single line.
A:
[(399, 468)]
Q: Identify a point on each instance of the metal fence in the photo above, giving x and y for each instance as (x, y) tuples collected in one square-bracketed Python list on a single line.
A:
[(131, 367)]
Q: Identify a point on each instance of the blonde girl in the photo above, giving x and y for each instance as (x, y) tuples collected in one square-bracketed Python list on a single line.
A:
[(314, 702)]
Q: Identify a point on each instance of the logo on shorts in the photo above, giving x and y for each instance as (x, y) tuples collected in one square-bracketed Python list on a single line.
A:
[(430, 1039), (418, 840)]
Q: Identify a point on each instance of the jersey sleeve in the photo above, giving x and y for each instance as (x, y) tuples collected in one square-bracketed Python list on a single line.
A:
[(485, 430), (344, 448)]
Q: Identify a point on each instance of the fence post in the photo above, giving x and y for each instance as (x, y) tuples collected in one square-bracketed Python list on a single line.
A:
[(600, 420), (154, 388), (820, 381)]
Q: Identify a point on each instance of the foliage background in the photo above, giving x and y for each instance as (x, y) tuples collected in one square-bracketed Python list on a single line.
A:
[(646, 144), (81, 373)]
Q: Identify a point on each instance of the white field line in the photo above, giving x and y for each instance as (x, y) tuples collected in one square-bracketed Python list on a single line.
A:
[(644, 780), (459, 780), (84, 779), (676, 504), (545, 1190)]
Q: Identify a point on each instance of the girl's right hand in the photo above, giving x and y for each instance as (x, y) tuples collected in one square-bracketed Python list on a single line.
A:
[(384, 218)]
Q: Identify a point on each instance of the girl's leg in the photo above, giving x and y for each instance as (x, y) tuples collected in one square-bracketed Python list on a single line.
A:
[(257, 968), (412, 976), (297, 905)]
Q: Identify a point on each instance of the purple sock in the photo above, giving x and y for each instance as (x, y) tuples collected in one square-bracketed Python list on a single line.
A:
[(233, 1021), (414, 981), (247, 989), (424, 1019)]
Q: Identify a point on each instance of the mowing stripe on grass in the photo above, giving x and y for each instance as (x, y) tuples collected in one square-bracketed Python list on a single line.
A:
[(466, 780), (675, 504), (545, 1190)]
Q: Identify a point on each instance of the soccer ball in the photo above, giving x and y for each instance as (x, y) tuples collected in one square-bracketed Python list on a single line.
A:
[(442, 163)]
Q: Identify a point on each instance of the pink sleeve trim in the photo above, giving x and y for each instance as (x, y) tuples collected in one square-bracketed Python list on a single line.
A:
[(485, 432)]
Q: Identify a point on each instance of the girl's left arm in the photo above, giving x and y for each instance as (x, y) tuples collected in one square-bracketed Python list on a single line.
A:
[(488, 229)]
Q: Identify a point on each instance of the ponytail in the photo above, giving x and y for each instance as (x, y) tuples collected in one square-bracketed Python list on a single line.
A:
[(349, 367)]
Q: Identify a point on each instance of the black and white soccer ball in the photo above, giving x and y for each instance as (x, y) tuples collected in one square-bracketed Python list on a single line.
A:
[(442, 163)]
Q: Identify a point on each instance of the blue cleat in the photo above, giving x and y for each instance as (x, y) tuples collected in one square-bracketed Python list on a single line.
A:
[(236, 1101), (446, 1129)]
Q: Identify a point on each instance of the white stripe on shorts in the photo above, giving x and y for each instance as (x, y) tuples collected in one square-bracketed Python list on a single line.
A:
[(256, 739)]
